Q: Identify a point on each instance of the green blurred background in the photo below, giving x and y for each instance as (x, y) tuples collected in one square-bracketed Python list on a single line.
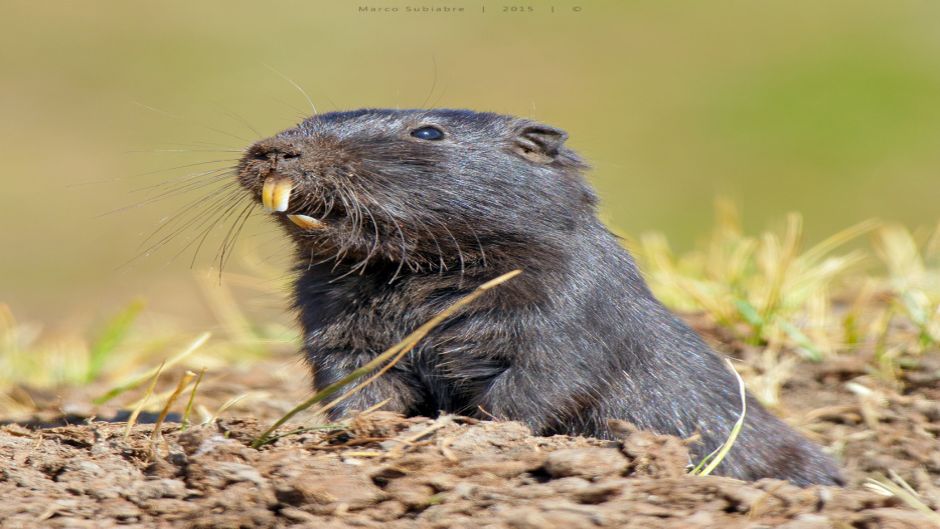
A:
[(827, 108)]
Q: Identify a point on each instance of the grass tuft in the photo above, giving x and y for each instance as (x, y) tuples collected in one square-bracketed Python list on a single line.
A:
[(762, 287), (913, 279), (139, 379)]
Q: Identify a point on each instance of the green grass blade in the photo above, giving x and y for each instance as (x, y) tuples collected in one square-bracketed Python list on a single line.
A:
[(110, 338), (806, 346)]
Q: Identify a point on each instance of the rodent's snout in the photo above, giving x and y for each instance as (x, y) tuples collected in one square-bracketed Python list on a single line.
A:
[(274, 149), (272, 167)]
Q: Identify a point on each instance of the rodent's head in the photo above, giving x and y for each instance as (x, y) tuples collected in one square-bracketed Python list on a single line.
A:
[(422, 188)]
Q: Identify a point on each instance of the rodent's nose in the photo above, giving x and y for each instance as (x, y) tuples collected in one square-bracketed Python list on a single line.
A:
[(274, 149)]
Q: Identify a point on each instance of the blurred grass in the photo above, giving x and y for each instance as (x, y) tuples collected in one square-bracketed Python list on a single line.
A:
[(827, 109), (110, 338), (764, 284), (880, 301), (913, 277)]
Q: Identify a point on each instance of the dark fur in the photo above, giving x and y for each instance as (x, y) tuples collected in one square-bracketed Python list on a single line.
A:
[(414, 225)]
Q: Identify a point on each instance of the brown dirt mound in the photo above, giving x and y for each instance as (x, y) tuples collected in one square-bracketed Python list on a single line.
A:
[(382, 470)]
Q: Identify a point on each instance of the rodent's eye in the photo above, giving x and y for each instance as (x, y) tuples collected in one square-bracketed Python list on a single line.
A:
[(428, 133)]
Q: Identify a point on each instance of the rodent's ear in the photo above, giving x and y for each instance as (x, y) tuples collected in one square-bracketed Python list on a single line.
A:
[(539, 143)]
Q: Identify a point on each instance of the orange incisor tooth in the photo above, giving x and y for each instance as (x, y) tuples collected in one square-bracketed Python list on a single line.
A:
[(275, 193), (280, 198), (305, 222), (267, 192)]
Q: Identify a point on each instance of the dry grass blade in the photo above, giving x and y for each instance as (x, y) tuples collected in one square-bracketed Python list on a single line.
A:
[(781, 258), (233, 401), (136, 381), (136, 413), (409, 441), (180, 386), (829, 244), (221, 301), (192, 399), (900, 489), (394, 353), (712, 460)]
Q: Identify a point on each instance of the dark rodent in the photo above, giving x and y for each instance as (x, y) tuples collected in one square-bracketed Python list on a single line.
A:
[(406, 225)]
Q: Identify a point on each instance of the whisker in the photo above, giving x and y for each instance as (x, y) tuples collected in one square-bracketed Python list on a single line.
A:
[(404, 243), (433, 82), (176, 218), (230, 242), (203, 125), (240, 119), (191, 176), (479, 244), (300, 114), (361, 266), (295, 85), (202, 144), (207, 230), (459, 252), (189, 206), (148, 151), (185, 166), (442, 266), (148, 173), (162, 196), (187, 217)]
